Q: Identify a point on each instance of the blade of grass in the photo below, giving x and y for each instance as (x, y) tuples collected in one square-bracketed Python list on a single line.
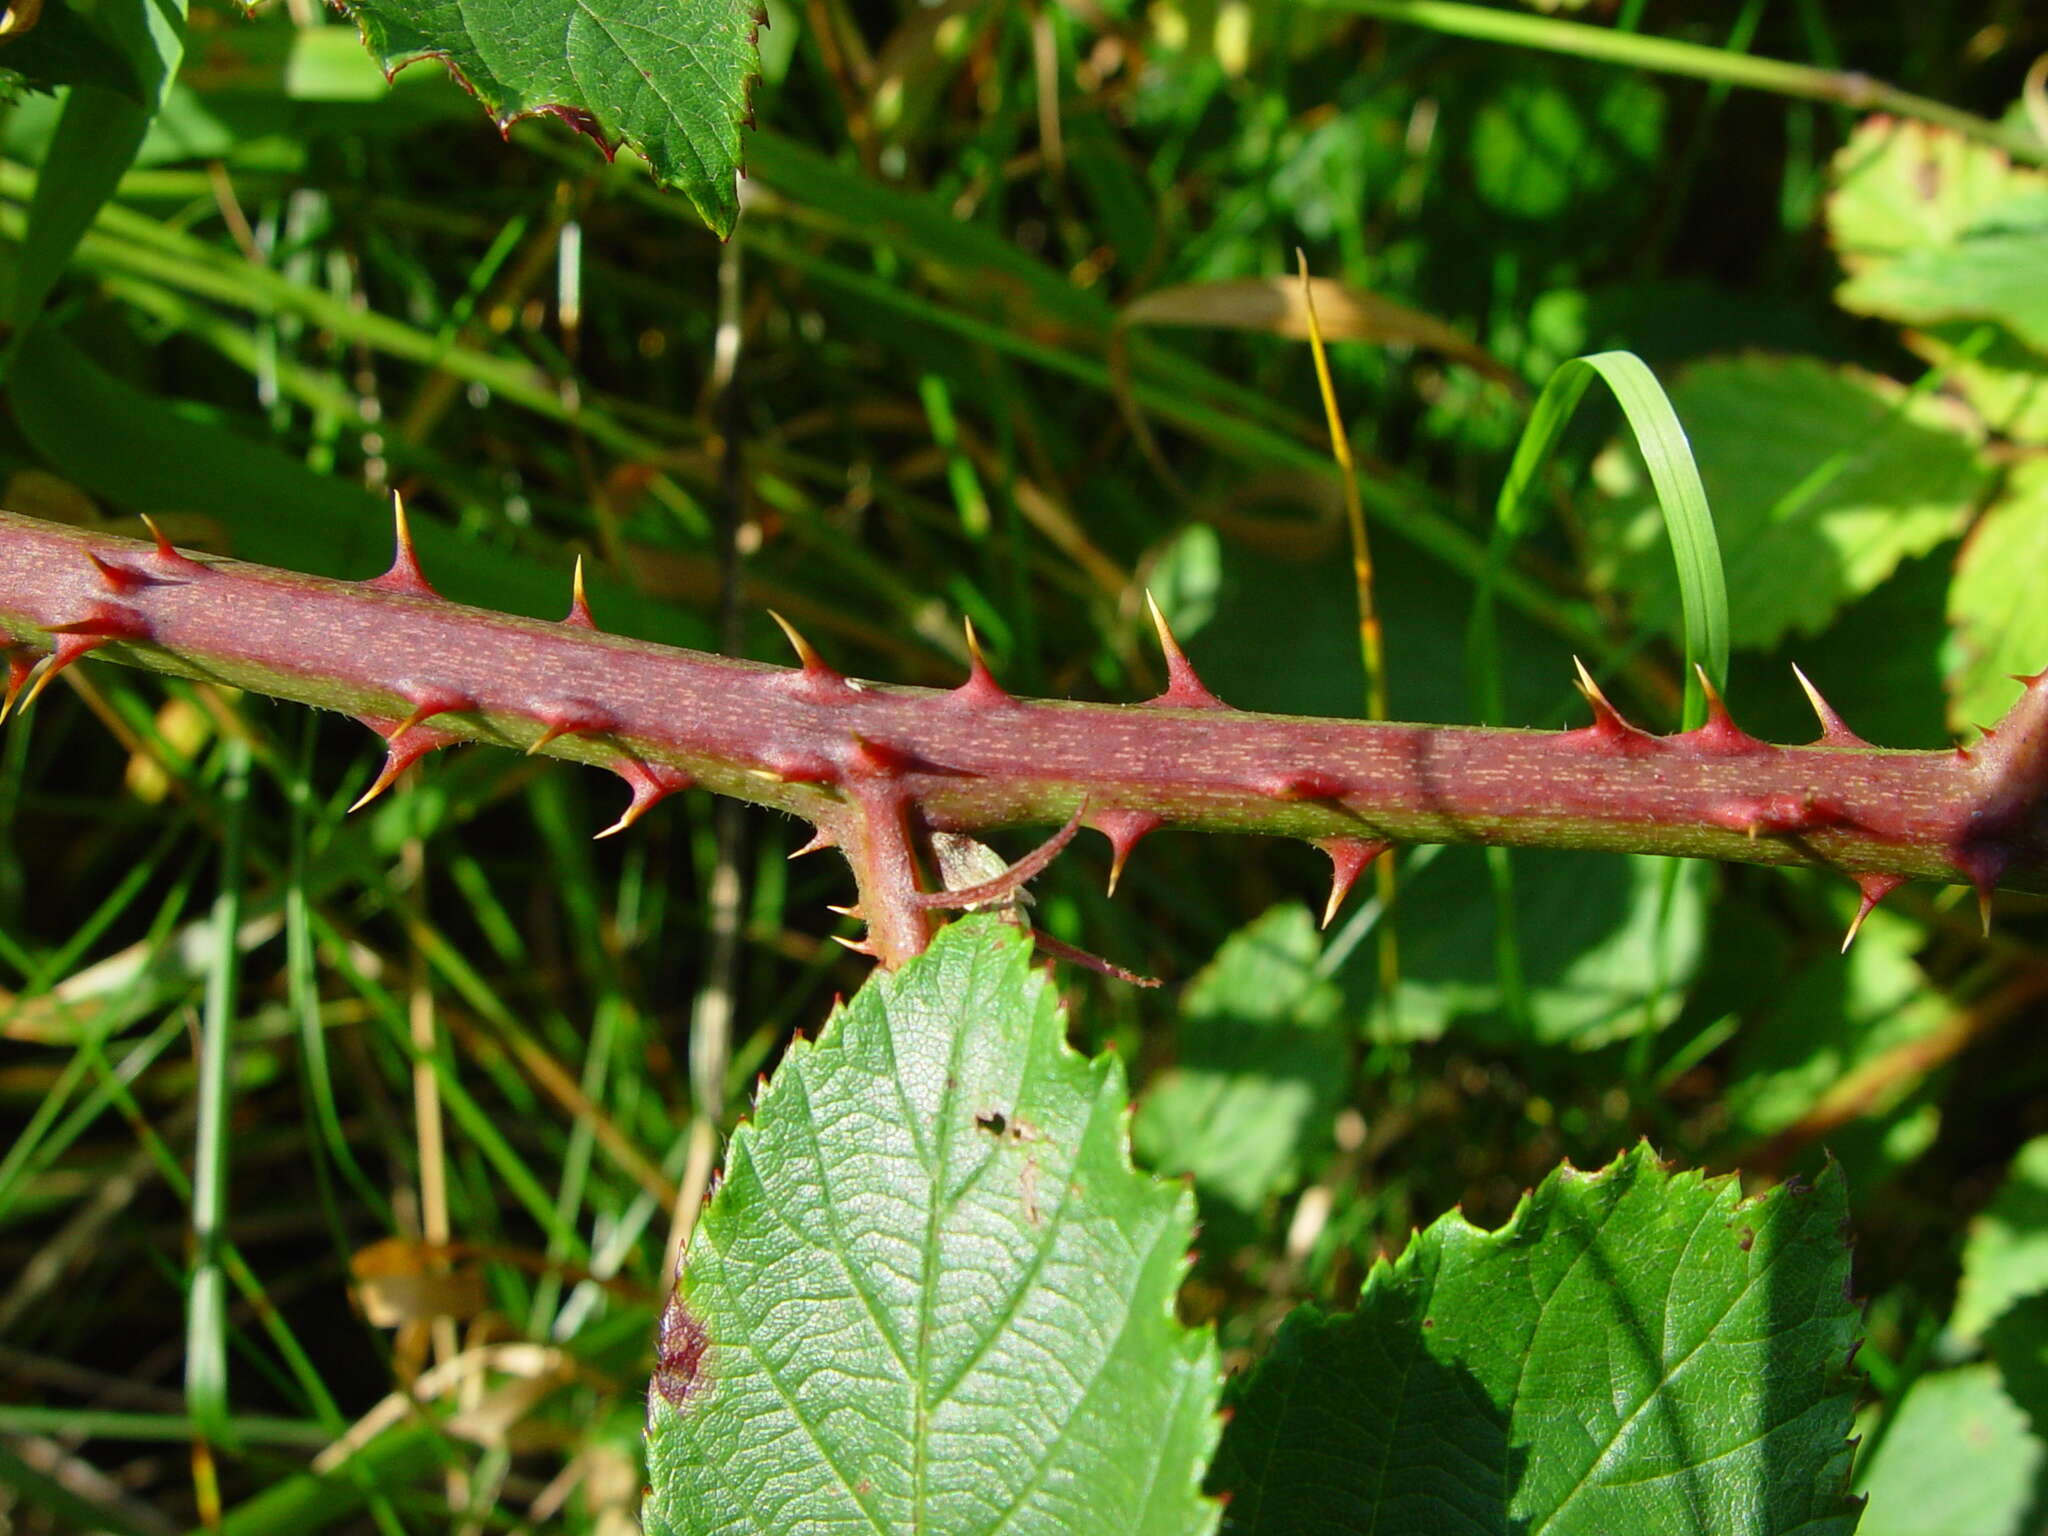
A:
[(1703, 590), (1371, 642), (206, 1368)]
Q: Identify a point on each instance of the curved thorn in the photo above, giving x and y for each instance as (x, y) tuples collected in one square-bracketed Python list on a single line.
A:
[(1350, 857), (1875, 888), (1184, 689), (166, 551), (1124, 829), (404, 745), (425, 706), (1834, 731), (814, 668), (858, 946), (854, 911), (1607, 720), (556, 730), (579, 601), (1011, 880), (981, 686), (405, 574), (73, 641), (119, 580), (1720, 733), (650, 783), (395, 763), (20, 664), (820, 841)]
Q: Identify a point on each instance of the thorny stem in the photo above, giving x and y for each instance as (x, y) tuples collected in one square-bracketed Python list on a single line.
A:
[(877, 769)]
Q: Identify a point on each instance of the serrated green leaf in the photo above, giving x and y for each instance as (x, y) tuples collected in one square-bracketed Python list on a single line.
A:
[(1933, 227), (1903, 186), (1822, 480), (932, 1295), (2018, 1345), (1831, 1018), (1991, 272), (1957, 1461), (2005, 1256), (2001, 624), (1258, 1071), (1634, 1351), (669, 80)]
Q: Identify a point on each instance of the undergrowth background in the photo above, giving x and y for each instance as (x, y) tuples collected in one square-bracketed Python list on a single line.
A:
[(915, 386)]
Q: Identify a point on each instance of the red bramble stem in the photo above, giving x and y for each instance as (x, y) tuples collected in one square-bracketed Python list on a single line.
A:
[(877, 768)]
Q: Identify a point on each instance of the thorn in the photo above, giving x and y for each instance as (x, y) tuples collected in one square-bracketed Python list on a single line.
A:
[(79, 638), (20, 663), (570, 719), (1350, 857), (165, 549), (1010, 881), (1123, 829), (1984, 909), (1304, 784), (651, 784), (2029, 682), (1184, 689), (858, 946), (1608, 728), (425, 705), (405, 574), (820, 841), (404, 746), (1720, 735), (579, 601), (816, 675), (1834, 731), (853, 911), (120, 580), (1875, 888), (981, 686)]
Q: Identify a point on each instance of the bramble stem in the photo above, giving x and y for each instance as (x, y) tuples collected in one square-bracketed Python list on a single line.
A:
[(877, 768)]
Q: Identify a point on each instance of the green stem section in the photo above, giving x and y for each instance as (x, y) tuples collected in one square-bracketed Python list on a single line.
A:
[(878, 768), (1695, 61)]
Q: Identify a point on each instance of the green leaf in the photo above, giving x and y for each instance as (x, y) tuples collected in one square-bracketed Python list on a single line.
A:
[(1957, 1461), (932, 1294), (1932, 227), (1832, 1019), (1633, 1351), (1992, 272), (2001, 624), (1259, 1067), (1903, 186), (1604, 955), (2018, 1343), (2005, 1256), (670, 80), (1822, 479)]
